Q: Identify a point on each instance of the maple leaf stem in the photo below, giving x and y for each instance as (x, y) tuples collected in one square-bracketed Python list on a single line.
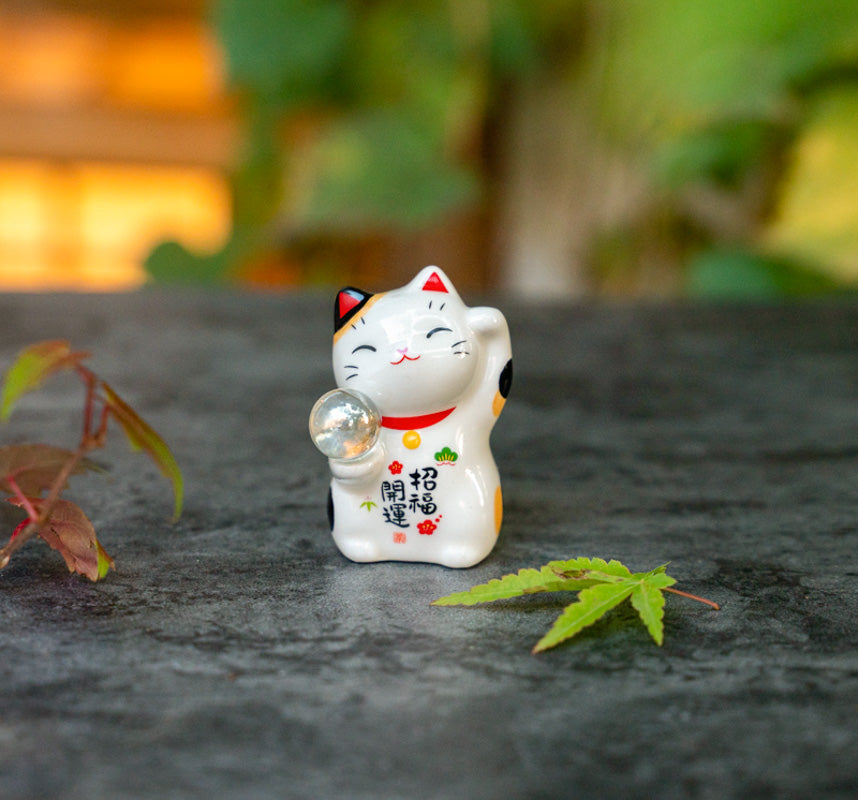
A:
[(89, 404), (101, 433), (25, 501), (711, 603), (19, 539)]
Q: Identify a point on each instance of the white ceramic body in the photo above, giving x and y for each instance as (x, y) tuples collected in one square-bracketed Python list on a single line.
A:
[(438, 372)]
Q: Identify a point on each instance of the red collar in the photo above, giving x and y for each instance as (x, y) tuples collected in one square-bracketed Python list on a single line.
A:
[(413, 423)]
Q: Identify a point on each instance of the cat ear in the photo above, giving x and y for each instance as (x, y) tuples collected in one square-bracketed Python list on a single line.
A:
[(432, 279), (434, 284), (348, 303)]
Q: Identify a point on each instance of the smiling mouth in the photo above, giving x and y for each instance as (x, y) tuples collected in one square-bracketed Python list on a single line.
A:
[(404, 358)]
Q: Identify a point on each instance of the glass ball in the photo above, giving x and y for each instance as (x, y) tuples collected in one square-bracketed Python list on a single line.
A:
[(344, 424)]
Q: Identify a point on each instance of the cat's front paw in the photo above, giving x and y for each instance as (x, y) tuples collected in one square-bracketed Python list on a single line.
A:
[(360, 470), (357, 548)]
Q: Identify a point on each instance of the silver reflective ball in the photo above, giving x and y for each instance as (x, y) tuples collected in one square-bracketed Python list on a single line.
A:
[(344, 424)]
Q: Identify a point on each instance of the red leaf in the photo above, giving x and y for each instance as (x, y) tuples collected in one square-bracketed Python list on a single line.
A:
[(33, 365), (34, 467), (70, 532), (143, 437)]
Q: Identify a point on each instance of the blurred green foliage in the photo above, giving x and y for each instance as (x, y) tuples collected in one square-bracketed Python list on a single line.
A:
[(742, 275), (721, 102), (818, 216), (378, 115), (361, 115), (394, 94)]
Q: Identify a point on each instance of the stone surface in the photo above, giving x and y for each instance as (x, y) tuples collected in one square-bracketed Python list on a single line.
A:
[(238, 655)]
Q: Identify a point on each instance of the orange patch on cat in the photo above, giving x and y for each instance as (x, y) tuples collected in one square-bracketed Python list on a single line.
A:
[(498, 403), (498, 510), (351, 323)]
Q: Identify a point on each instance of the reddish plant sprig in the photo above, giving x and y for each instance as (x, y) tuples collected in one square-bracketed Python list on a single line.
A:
[(33, 366), (38, 520)]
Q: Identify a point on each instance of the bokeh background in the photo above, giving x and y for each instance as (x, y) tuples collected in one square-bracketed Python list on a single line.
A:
[(551, 148)]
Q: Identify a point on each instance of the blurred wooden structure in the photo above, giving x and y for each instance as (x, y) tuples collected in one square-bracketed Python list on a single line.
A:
[(115, 132)]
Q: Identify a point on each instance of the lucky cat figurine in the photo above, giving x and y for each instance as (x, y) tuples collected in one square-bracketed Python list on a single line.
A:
[(438, 373)]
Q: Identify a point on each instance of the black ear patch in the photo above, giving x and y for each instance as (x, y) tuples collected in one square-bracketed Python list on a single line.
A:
[(505, 382), (348, 303)]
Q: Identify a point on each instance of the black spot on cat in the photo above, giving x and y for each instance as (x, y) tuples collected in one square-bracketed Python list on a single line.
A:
[(505, 382), (350, 301), (331, 508)]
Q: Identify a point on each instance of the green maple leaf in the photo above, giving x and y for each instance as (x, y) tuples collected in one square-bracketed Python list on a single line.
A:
[(648, 600), (592, 604), (601, 586), (556, 576)]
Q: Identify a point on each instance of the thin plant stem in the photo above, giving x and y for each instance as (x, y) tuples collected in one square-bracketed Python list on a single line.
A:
[(25, 501), (711, 603), (88, 407)]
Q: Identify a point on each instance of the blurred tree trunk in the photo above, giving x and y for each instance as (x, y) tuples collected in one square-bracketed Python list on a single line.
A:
[(559, 186)]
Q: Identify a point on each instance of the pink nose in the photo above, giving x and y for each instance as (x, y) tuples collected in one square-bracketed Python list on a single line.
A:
[(402, 350)]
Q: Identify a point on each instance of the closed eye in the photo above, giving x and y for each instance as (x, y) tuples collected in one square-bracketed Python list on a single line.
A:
[(436, 330), (364, 347)]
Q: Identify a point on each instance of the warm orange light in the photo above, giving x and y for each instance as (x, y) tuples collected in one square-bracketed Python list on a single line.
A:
[(23, 223), (52, 60), (172, 68), (115, 136), (89, 227)]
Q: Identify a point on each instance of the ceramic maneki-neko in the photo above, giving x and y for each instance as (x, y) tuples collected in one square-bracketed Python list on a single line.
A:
[(432, 375)]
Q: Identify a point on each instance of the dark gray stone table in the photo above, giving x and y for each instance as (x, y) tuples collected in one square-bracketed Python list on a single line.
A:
[(238, 655)]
